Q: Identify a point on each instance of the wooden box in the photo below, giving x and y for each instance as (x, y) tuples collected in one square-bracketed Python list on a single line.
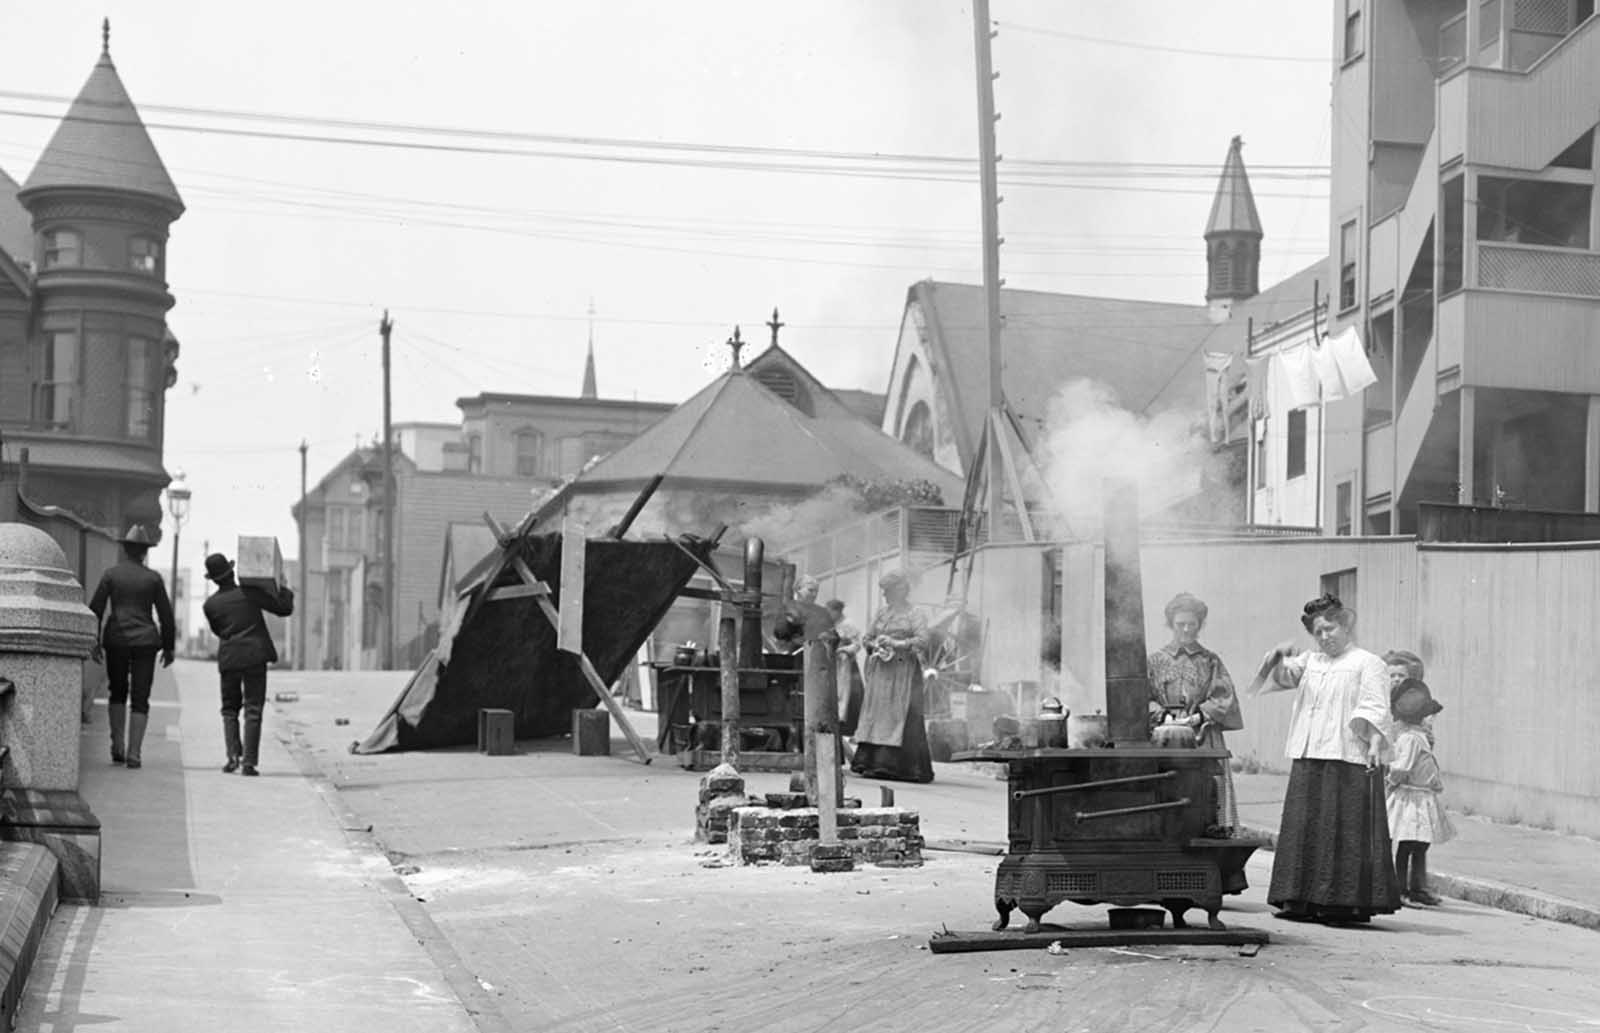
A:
[(496, 732), (259, 562), (591, 733)]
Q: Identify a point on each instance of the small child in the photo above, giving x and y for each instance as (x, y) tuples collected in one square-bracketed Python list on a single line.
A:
[(1404, 664), (1416, 818)]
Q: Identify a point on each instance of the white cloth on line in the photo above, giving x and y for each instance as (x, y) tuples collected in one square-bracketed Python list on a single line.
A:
[(1351, 359), (1297, 381)]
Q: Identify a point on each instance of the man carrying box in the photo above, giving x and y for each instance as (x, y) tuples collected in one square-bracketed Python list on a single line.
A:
[(243, 652)]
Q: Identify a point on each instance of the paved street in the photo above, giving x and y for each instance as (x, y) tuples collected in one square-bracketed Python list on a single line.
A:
[(573, 889)]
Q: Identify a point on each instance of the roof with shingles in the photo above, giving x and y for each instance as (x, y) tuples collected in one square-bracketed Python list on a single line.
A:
[(737, 431), (102, 144)]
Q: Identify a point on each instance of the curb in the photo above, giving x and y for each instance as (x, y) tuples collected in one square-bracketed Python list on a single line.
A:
[(477, 1002), (1498, 895)]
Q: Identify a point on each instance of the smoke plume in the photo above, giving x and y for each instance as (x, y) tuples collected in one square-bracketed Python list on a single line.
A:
[(1090, 439)]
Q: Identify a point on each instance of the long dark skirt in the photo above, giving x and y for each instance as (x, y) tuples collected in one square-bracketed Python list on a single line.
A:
[(1333, 860), (911, 761)]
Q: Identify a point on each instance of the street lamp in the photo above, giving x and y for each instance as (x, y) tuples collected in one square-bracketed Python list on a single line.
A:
[(178, 508)]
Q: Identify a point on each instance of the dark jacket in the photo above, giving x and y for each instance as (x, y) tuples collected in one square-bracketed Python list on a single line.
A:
[(234, 613), (133, 591)]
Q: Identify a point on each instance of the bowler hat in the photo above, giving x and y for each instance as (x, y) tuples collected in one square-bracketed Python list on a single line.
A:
[(218, 567), (1411, 701), (138, 534)]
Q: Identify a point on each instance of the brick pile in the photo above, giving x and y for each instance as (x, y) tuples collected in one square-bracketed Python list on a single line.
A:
[(721, 793), (885, 836)]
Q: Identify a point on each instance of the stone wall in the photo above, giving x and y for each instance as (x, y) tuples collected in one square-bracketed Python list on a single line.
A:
[(885, 836)]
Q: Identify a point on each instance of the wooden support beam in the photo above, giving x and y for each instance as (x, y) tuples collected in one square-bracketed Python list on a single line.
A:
[(1008, 464), (516, 592), (593, 678)]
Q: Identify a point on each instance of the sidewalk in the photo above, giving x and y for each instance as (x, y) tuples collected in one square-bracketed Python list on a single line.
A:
[(1512, 867), (231, 903)]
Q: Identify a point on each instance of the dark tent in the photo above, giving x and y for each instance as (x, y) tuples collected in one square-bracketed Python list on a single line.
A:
[(501, 653)]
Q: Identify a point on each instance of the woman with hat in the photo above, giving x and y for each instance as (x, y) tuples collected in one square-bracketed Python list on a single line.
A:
[(244, 650), (891, 740), (1332, 861), (1416, 818), (129, 640)]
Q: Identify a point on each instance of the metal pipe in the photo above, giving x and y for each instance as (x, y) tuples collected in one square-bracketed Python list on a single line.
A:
[(1141, 809), (750, 639), (1102, 783)]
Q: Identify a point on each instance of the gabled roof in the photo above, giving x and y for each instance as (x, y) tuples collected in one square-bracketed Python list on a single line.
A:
[(1135, 348), (1233, 210), (736, 431), (102, 144), (16, 225)]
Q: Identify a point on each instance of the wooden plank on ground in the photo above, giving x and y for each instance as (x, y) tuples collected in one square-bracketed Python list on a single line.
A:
[(947, 942)]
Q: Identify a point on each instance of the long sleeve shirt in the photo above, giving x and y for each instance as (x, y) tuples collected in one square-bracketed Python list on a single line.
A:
[(1340, 702), (131, 591)]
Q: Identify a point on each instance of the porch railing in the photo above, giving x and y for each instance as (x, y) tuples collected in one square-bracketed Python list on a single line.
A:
[(1542, 270)]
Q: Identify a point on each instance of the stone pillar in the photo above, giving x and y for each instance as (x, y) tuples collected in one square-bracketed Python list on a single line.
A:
[(46, 631)]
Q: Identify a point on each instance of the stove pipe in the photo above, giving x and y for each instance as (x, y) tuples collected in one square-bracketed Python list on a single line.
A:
[(1127, 676), (750, 639)]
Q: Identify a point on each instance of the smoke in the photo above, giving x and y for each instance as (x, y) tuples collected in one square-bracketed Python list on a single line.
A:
[(1090, 439), (782, 527)]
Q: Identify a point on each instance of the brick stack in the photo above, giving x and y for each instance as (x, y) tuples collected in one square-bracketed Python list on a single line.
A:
[(885, 836), (721, 793)]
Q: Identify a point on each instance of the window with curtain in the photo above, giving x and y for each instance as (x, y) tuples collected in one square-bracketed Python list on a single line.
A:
[(141, 387), (144, 256)]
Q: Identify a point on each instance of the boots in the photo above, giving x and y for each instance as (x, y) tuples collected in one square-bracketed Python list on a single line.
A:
[(136, 725), (118, 714), (252, 741), (230, 740)]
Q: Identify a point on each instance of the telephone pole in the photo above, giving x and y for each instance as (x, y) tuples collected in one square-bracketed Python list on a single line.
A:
[(305, 561), (987, 177), (386, 643)]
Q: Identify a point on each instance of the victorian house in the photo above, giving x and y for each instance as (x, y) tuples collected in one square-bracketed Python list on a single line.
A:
[(85, 352)]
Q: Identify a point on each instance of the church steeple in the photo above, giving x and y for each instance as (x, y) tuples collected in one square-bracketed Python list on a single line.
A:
[(1233, 237), (589, 390)]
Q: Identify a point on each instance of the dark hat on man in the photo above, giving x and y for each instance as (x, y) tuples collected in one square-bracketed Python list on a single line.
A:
[(138, 534), (1411, 701), (218, 567)]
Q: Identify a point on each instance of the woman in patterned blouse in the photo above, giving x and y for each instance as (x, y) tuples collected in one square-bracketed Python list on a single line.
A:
[(1189, 684)]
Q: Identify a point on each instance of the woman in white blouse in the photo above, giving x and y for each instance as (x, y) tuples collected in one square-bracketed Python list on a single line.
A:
[(1333, 862)]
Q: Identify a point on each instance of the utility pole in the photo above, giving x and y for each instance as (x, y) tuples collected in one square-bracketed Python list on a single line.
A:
[(305, 561), (987, 160), (386, 644)]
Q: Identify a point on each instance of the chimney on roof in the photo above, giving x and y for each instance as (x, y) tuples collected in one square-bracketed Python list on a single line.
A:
[(1233, 238)]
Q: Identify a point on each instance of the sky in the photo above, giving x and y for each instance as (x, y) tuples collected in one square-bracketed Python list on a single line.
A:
[(488, 172)]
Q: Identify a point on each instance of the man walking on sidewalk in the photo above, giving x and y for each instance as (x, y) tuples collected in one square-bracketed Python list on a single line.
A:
[(243, 652)]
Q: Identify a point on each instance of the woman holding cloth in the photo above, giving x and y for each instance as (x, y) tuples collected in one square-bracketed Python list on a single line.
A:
[(891, 739), (1333, 860)]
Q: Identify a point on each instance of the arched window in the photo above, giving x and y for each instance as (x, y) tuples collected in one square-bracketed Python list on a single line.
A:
[(905, 391), (529, 445), (63, 249), (918, 430)]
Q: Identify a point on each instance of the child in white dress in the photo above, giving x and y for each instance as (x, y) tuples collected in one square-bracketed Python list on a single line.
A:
[(1417, 819)]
